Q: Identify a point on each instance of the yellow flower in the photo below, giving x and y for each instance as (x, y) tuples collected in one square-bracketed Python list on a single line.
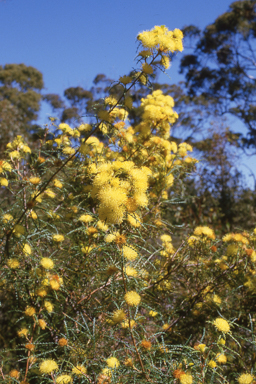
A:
[(86, 218), (3, 182), (30, 311), (42, 323), (222, 341), (201, 347), (63, 342), (63, 379), (47, 263), (57, 183), (125, 79), (48, 306), (153, 313), (48, 192), (54, 285), (109, 238), (5, 166), (130, 271), (134, 220), (147, 69), (221, 325), (79, 370), (185, 378), (7, 217), (26, 249), (206, 231), (35, 180), (245, 378), (42, 292), (118, 316), (19, 230), (132, 298), (221, 358), (129, 253), (13, 263), (48, 366), (212, 364), (14, 373), (23, 332), (112, 362), (58, 238), (102, 226), (129, 324)]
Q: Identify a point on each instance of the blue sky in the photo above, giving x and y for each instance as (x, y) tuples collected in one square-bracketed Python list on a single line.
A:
[(71, 41)]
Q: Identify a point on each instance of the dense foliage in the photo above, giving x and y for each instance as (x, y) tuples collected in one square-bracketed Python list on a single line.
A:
[(93, 288)]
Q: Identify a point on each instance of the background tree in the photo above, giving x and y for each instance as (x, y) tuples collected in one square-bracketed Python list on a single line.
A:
[(20, 87), (222, 66)]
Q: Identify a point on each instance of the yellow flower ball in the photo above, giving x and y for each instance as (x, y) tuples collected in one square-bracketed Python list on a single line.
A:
[(118, 316), (79, 370), (58, 238), (63, 379), (186, 379), (221, 325), (129, 253), (48, 306), (48, 366), (47, 263), (221, 358), (13, 263), (42, 323), (212, 364), (245, 378), (30, 311), (112, 362), (132, 298)]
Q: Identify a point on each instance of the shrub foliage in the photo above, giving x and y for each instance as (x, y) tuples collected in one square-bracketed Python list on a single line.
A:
[(92, 287)]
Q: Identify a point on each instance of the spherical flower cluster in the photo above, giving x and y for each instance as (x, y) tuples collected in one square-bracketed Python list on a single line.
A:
[(221, 325), (26, 249), (35, 180), (131, 271), (63, 379), (161, 38), (129, 323), (62, 342), (221, 358), (158, 112), (30, 311), (129, 253), (132, 298), (245, 378), (13, 263), (86, 218), (205, 231), (14, 373), (79, 370), (48, 306), (48, 366), (118, 316), (42, 323), (115, 185), (212, 364), (237, 237), (58, 238), (23, 332), (146, 344), (186, 378), (112, 362), (7, 217), (47, 263)]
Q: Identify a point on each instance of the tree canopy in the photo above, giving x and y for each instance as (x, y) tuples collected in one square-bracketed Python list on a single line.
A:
[(222, 66)]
